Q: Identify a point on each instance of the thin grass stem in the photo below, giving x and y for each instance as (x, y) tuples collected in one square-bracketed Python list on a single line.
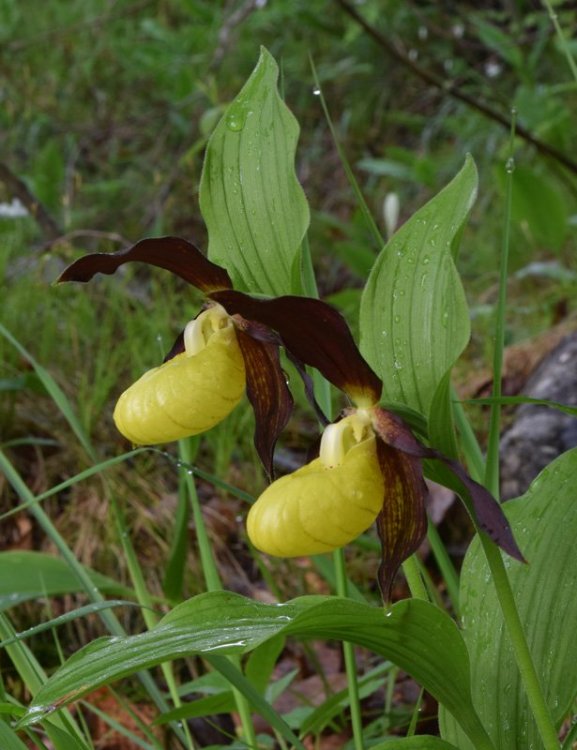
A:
[(86, 584), (367, 215), (213, 582), (414, 580), (349, 657), (523, 656), (144, 598), (562, 40), (450, 575), (499, 575)]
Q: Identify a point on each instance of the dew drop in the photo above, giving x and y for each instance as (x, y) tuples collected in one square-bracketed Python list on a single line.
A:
[(426, 259), (316, 91), (397, 318), (510, 165), (236, 117)]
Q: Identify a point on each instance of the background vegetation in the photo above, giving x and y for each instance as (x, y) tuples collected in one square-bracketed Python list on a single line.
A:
[(105, 111)]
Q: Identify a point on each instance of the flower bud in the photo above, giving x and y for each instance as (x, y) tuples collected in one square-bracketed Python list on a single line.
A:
[(327, 503), (189, 393)]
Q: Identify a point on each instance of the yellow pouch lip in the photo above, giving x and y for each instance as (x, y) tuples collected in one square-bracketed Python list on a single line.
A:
[(187, 395), (317, 508)]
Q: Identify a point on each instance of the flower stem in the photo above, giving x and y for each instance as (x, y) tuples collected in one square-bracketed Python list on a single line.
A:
[(525, 664), (415, 582), (213, 583), (499, 575), (349, 657)]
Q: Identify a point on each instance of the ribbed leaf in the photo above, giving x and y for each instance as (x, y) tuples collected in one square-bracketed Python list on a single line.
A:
[(414, 319), (417, 636), (415, 743), (254, 208), (545, 525), (29, 575)]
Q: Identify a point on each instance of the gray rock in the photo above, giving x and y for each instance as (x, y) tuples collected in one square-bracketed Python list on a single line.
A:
[(539, 433)]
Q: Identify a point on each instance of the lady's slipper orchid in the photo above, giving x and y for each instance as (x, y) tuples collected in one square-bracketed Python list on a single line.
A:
[(191, 392), (327, 503), (370, 463)]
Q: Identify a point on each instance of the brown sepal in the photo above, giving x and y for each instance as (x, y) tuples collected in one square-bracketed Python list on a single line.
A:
[(267, 391), (313, 332), (171, 253), (402, 523), (177, 347), (487, 512)]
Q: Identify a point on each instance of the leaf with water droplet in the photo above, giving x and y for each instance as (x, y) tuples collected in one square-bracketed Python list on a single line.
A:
[(223, 622), (427, 310), (545, 525), (254, 208)]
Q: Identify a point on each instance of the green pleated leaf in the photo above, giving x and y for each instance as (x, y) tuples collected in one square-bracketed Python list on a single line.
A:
[(414, 634), (254, 208), (29, 575), (414, 319), (421, 742), (545, 524)]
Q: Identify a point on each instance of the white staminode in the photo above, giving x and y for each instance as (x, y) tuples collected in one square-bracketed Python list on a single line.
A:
[(339, 438), (199, 330)]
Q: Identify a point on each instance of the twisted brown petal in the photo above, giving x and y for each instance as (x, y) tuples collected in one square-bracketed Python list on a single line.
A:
[(171, 253), (402, 523), (267, 391), (486, 511)]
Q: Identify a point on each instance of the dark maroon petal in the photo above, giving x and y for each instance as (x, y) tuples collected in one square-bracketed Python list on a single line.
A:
[(177, 347), (267, 391), (402, 523), (309, 389), (486, 511), (171, 253), (316, 334), (395, 432)]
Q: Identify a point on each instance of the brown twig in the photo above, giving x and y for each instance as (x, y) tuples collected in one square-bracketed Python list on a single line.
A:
[(75, 233), (451, 89), (20, 190), (227, 29)]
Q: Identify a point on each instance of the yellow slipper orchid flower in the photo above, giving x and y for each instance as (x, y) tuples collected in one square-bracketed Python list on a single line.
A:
[(325, 504), (370, 463), (190, 393)]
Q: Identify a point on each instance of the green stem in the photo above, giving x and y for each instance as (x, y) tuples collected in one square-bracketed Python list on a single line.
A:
[(415, 582), (562, 40), (523, 657), (367, 214), (450, 575), (349, 656), (145, 599), (469, 442), (500, 579), (213, 583)]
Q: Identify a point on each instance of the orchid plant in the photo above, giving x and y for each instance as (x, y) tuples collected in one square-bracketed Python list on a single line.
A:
[(398, 425)]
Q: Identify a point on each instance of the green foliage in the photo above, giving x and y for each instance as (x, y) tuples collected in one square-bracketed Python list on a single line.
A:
[(254, 207), (111, 109), (542, 589), (29, 575), (230, 624), (414, 319)]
